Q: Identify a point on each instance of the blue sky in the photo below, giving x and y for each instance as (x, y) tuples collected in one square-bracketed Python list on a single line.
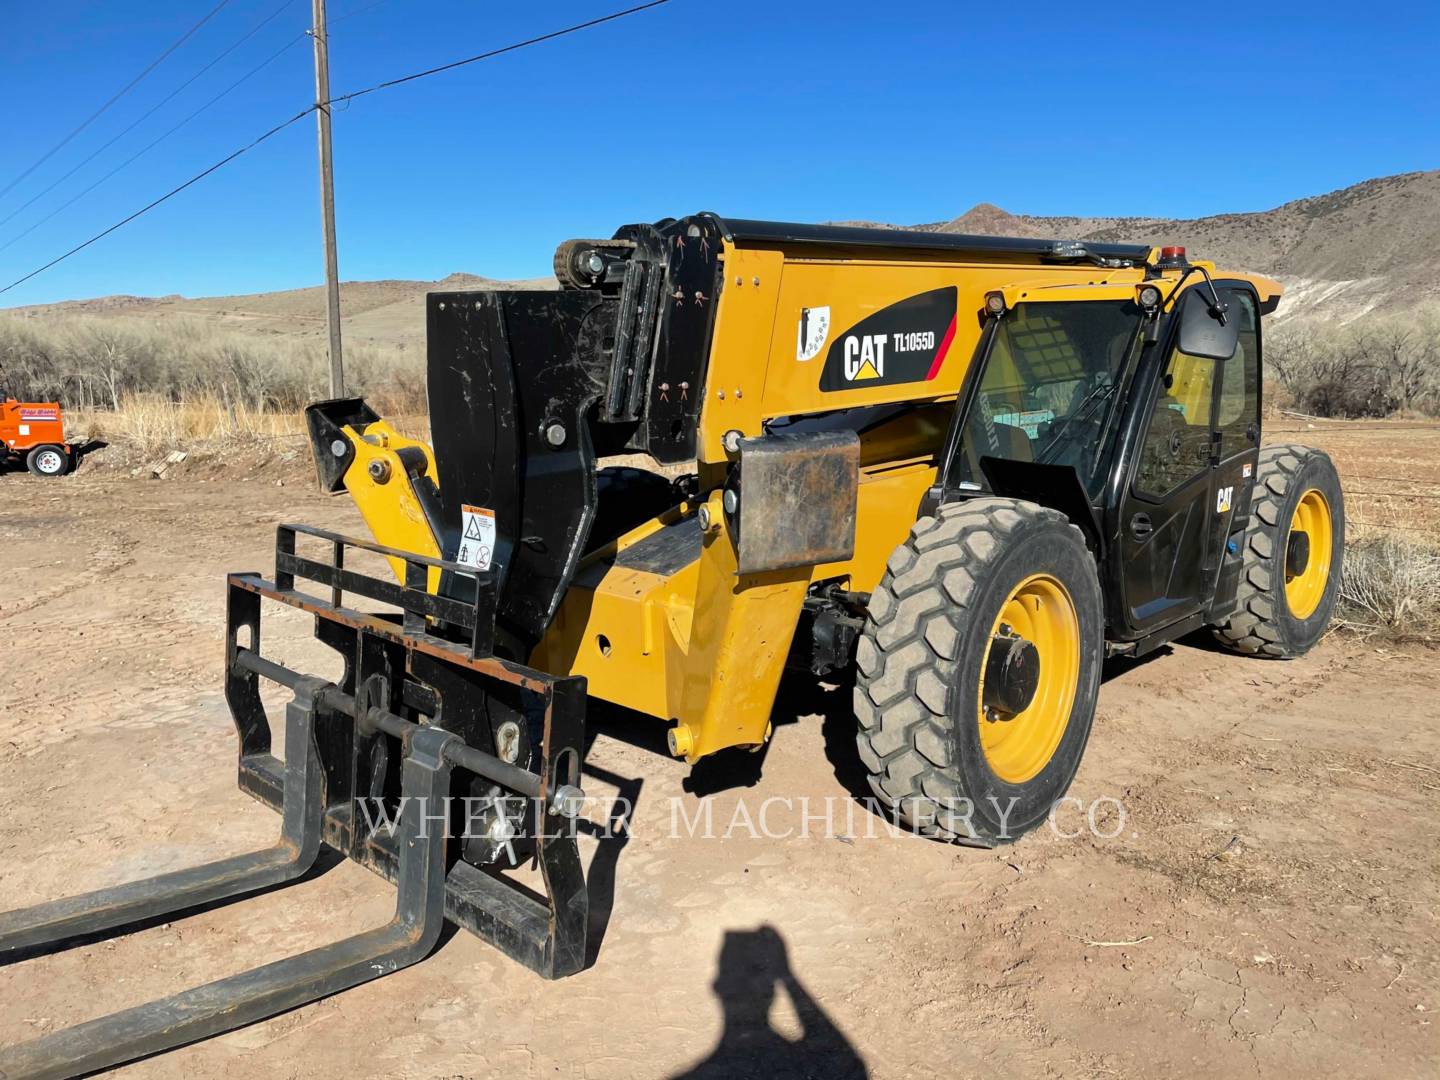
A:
[(803, 110)]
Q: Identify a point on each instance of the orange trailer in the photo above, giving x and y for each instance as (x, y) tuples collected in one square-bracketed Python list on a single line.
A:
[(34, 433)]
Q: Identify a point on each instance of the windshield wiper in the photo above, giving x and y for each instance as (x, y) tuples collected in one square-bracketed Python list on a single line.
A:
[(1087, 403)]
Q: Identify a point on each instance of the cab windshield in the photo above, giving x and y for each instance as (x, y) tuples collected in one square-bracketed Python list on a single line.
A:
[(1049, 387)]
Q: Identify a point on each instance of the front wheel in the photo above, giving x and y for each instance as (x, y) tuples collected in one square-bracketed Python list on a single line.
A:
[(979, 669), (48, 461)]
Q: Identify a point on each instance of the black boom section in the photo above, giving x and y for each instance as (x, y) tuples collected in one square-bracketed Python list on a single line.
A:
[(528, 388), (852, 236), (663, 282), (512, 379), (672, 395)]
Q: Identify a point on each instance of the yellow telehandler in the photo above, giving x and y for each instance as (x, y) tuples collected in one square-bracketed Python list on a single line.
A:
[(971, 467)]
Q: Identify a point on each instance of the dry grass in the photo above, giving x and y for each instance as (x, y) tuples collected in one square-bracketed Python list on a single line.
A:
[(149, 424), (1391, 585), (94, 364), (180, 384), (146, 426)]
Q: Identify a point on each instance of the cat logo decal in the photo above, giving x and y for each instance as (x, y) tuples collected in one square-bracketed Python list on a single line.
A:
[(906, 342)]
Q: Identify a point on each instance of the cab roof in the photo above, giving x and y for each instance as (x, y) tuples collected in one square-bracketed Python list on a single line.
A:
[(789, 232)]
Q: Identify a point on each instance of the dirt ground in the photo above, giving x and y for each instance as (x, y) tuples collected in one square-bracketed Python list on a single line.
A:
[(1259, 894)]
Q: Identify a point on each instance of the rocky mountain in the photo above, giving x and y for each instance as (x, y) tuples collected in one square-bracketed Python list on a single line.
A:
[(1374, 246)]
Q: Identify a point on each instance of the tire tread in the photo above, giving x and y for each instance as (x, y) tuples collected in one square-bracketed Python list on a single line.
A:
[(1251, 629), (908, 649)]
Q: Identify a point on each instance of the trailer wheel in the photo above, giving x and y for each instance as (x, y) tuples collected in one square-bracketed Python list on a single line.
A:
[(978, 670), (1294, 552), (48, 461)]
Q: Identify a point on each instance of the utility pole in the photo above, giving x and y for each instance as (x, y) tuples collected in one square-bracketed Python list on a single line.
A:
[(327, 197)]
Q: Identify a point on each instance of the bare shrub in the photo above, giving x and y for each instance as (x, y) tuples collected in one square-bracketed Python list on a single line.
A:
[(1391, 583), (1374, 367)]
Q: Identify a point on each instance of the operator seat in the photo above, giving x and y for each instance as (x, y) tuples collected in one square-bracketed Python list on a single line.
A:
[(1014, 443)]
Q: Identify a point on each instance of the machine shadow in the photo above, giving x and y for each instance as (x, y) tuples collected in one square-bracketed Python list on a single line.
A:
[(623, 725), (830, 698), (801, 694), (1115, 667), (754, 965), (611, 839)]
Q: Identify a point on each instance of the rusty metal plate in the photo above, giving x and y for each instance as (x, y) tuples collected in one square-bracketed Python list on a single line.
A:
[(797, 496)]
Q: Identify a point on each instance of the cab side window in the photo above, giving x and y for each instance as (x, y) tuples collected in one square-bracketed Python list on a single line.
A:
[(1177, 444), (1190, 405), (1238, 415)]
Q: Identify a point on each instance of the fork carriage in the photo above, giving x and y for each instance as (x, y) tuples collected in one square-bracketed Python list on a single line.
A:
[(468, 763)]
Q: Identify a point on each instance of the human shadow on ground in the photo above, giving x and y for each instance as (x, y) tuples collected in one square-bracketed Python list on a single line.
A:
[(753, 966)]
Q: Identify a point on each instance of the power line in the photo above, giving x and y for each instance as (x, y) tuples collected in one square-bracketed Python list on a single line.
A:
[(168, 195), (497, 52), (155, 142), (151, 145), (358, 11), (148, 113), (121, 93), (299, 116)]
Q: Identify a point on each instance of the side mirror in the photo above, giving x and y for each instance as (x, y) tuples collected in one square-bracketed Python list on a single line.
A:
[(1201, 331)]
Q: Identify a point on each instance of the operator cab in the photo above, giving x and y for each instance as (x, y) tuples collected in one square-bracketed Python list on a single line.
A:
[(1136, 411)]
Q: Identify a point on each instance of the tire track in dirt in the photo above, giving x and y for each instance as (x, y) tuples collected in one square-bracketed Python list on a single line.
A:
[(108, 556)]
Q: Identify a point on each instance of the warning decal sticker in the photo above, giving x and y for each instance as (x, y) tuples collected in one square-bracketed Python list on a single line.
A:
[(477, 537), (814, 329)]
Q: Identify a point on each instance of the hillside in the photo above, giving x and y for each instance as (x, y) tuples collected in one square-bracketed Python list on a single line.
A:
[(1372, 247), (387, 314)]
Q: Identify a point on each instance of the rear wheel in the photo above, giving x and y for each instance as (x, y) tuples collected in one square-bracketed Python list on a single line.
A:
[(979, 670), (1294, 550), (48, 461)]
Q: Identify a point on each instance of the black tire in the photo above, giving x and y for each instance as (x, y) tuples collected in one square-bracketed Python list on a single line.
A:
[(48, 461), (1262, 623), (920, 660)]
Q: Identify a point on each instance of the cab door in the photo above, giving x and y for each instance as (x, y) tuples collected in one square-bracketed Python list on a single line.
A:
[(1237, 448), (1175, 513)]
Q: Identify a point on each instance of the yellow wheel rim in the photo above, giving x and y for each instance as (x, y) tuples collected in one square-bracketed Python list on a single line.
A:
[(1017, 746), (1303, 591)]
